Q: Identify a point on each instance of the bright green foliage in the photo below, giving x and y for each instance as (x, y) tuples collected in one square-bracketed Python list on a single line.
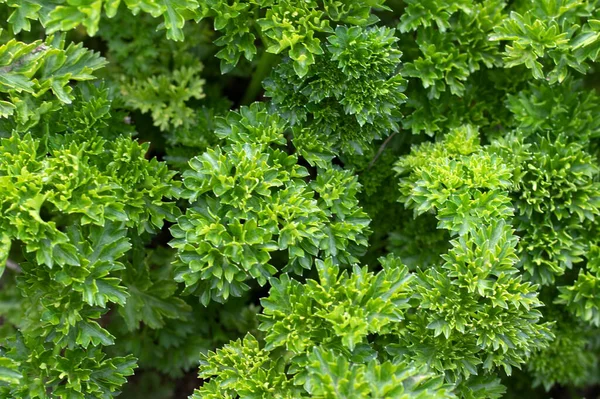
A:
[(162, 330), (582, 297), (68, 202), (235, 21), (8, 371), (58, 15), (70, 205), (343, 309), (552, 109), (458, 179), (430, 13), (93, 112), (30, 70), (547, 37), (83, 289), (555, 188), (451, 66), (347, 99), (558, 189), (74, 373), (324, 325), (446, 59), (250, 199), (476, 308), (329, 376), (109, 181), (332, 376), (288, 27), (476, 313), (241, 369), (306, 199)]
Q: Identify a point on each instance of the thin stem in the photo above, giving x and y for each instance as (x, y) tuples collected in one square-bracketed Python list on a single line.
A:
[(380, 151), (266, 62)]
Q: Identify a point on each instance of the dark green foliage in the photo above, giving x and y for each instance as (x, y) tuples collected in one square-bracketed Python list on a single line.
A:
[(571, 359), (299, 199), (549, 37), (347, 99), (284, 26)]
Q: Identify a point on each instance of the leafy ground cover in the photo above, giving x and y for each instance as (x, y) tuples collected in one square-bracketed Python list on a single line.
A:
[(299, 199)]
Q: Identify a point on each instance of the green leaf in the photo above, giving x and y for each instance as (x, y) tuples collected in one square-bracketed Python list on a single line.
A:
[(5, 244), (8, 371), (92, 333)]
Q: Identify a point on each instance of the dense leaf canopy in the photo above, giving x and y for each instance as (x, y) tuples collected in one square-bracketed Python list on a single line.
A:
[(299, 199)]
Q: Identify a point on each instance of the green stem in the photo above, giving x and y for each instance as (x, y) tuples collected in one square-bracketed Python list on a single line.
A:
[(266, 62)]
